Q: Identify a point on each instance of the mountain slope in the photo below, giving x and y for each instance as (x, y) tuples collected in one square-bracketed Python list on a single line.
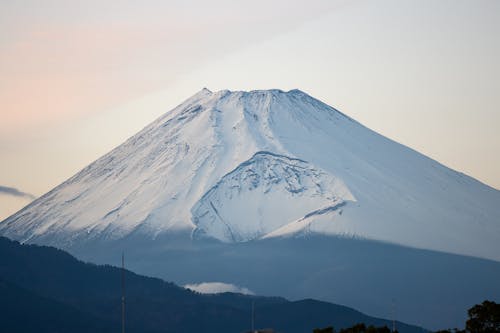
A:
[(224, 165), (82, 297), (245, 203)]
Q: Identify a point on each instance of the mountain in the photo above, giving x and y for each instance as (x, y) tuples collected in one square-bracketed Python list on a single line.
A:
[(224, 164), (281, 178), (47, 290)]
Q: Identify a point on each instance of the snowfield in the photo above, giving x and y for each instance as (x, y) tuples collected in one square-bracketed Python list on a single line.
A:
[(241, 166)]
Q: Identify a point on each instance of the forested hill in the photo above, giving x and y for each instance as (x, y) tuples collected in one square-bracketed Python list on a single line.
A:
[(47, 290)]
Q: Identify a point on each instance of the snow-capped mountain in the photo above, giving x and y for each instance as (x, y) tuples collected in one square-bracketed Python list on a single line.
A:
[(240, 166), (281, 194)]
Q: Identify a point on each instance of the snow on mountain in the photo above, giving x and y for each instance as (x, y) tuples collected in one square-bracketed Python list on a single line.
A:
[(247, 203), (240, 166)]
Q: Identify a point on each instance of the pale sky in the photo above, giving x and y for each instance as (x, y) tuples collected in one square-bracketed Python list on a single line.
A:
[(79, 77)]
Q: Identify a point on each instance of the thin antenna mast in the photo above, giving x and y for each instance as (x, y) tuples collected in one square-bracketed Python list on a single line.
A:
[(393, 316), (253, 316), (123, 292)]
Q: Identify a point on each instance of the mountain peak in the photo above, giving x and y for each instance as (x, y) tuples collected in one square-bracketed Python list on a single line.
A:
[(274, 91)]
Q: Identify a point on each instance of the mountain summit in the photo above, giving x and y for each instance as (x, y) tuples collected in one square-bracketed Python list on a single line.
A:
[(241, 166)]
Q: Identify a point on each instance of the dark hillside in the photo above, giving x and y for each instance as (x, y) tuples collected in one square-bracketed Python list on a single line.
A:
[(47, 290)]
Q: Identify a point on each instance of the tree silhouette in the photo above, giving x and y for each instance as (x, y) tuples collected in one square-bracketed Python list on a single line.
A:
[(484, 318), (324, 330), (358, 328)]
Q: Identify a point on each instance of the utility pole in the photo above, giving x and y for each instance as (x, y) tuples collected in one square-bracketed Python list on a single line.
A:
[(123, 292)]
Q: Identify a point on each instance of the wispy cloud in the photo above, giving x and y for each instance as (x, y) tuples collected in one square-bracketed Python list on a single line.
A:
[(15, 192), (218, 287)]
